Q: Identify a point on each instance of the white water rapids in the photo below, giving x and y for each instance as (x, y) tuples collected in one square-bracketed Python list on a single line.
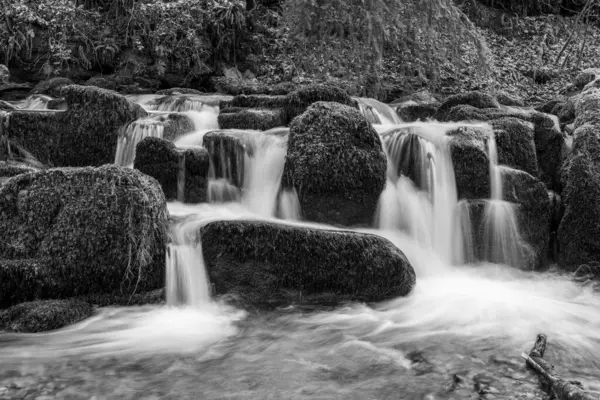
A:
[(460, 331)]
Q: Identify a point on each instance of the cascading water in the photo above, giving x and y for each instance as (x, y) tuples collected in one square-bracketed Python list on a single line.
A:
[(418, 154), (134, 133), (502, 241), (458, 335), (377, 112)]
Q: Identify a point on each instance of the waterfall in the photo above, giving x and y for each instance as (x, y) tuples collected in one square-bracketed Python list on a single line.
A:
[(420, 196), (262, 175), (289, 205), (186, 280), (377, 112), (502, 242), (134, 133)]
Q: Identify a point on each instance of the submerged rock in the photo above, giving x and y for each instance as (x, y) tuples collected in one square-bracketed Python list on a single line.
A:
[(336, 163), (44, 315), (269, 263), (161, 160), (85, 134), (74, 231)]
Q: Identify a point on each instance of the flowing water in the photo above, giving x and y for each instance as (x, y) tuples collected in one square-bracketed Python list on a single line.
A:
[(458, 335)]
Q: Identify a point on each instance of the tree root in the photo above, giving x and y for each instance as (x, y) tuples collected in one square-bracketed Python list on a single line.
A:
[(552, 382)]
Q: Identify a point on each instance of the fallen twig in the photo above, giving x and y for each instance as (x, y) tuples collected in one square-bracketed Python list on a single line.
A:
[(562, 389)]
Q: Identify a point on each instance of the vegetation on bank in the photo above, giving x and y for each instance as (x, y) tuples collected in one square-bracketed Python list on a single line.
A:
[(378, 48)]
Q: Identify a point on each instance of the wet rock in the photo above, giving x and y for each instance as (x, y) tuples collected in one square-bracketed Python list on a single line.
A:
[(551, 150), (85, 134), (579, 230), (227, 149), (80, 230), (4, 74), (516, 147), (273, 264), (468, 148), (51, 87), (256, 101), (475, 99), (534, 214), (178, 91), (336, 164), (299, 100), (258, 119), (411, 111), (160, 159), (44, 315)]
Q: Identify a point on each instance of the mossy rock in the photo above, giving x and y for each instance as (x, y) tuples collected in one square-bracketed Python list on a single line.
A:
[(51, 87), (551, 150), (235, 87), (466, 112), (587, 109), (299, 100), (515, 144), (10, 169), (272, 264), (507, 99), (336, 163), (534, 213), (84, 135), (174, 125), (586, 76), (156, 296), (160, 159), (258, 101), (74, 231), (579, 230), (257, 119), (410, 112), (44, 315), (4, 74), (468, 149), (475, 98)]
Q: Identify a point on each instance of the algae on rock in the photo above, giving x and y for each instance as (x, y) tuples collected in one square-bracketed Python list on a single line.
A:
[(269, 263), (74, 231)]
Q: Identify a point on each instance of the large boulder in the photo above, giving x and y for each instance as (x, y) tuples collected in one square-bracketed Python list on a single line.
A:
[(269, 263), (336, 163), (579, 230), (182, 173), (84, 135), (74, 231), (299, 100), (44, 315)]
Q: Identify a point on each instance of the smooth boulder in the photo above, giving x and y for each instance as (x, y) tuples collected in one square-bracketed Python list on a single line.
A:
[(275, 264), (73, 231), (336, 163)]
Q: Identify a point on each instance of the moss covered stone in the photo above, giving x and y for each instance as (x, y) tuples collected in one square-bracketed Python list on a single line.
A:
[(178, 90), (551, 150), (299, 100), (471, 163), (10, 169), (84, 135), (51, 87), (411, 111), (466, 112), (251, 118), (579, 230), (44, 315), (507, 99), (515, 144), (161, 160), (336, 164), (258, 101), (534, 212), (268, 263), (73, 231), (475, 98)]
